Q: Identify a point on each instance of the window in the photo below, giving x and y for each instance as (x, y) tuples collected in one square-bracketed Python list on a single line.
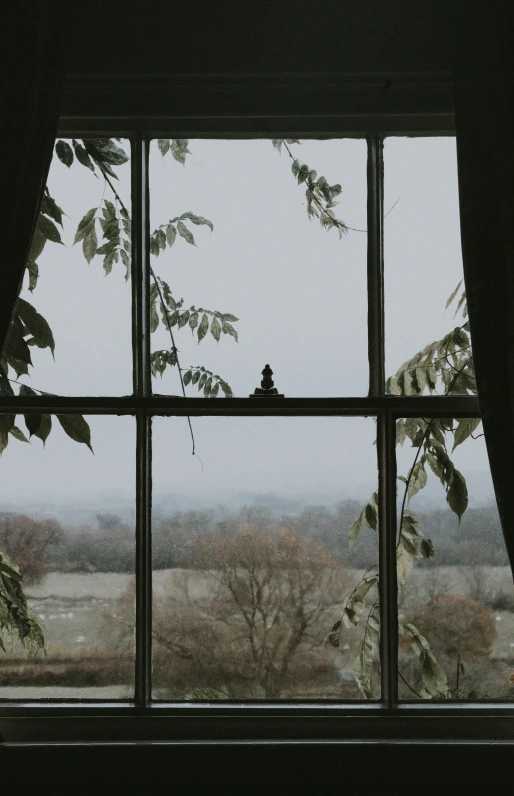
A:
[(334, 318)]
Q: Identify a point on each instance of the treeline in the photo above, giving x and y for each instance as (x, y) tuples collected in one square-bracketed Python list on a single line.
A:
[(109, 546)]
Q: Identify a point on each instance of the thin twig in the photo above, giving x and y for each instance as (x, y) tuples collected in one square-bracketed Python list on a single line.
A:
[(165, 310), (168, 324), (323, 210), (409, 685)]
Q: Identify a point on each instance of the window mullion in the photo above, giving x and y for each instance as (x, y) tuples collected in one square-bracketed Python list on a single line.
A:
[(386, 449), (142, 389), (375, 215)]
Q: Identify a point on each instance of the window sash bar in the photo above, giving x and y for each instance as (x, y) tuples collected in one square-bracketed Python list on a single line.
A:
[(375, 266), (142, 390), (399, 406), (388, 587)]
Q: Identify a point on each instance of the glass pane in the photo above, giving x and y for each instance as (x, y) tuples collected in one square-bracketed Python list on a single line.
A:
[(292, 291), (67, 520), (252, 566), (426, 341), (456, 595), (85, 316)]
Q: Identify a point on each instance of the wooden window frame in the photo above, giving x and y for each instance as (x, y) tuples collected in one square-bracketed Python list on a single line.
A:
[(371, 107)]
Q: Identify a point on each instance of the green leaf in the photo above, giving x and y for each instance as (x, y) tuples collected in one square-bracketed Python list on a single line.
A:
[(277, 143), (427, 548), (198, 220), (457, 495), (154, 319), (36, 324), (185, 233), (6, 424), (404, 563), (203, 328), (64, 152), (183, 319), (355, 529), (401, 434), (179, 149), (90, 245), (228, 317), (15, 346), (371, 515), (164, 145), (187, 377), (193, 321), (33, 423), (215, 390), (26, 390), (207, 387), (393, 388), (227, 328), (126, 262), (48, 229), (85, 225), (76, 428), (362, 589), (454, 293), (38, 243), (434, 677), (173, 319), (435, 466), (464, 430), (226, 389), (160, 238), (5, 385), (171, 234), (51, 209), (82, 156), (417, 480), (18, 434), (105, 151), (216, 329), (196, 376)]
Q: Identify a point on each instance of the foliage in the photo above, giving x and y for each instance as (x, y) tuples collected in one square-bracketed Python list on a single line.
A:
[(445, 364), (319, 194), (104, 231), (17, 621)]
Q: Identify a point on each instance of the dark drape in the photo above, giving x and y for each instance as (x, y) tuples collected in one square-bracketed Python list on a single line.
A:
[(484, 110), (32, 60)]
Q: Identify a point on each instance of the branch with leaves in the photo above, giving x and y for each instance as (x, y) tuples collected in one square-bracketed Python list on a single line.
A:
[(319, 194), (445, 363)]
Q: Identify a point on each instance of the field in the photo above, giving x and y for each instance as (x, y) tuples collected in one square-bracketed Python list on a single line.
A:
[(88, 622)]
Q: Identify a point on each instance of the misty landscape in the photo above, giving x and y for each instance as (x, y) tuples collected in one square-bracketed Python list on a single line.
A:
[(79, 580)]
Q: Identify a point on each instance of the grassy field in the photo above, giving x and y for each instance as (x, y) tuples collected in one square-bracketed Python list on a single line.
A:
[(83, 659)]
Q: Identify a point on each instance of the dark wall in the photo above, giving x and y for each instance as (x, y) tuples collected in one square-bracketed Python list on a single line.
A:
[(245, 36), (265, 769)]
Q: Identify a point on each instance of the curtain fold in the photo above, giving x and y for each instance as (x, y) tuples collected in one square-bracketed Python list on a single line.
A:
[(33, 48), (484, 113)]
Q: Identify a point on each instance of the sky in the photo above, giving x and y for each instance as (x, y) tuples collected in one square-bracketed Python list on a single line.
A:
[(299, 293)]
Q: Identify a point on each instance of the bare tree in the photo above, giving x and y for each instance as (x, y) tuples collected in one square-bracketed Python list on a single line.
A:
[(246, 616), (27, 541)]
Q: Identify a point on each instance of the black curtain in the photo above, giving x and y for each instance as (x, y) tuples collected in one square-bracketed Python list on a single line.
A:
[(484, 111), (33, 44)]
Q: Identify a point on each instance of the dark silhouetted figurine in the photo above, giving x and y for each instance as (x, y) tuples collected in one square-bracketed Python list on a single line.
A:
[(267, 388)]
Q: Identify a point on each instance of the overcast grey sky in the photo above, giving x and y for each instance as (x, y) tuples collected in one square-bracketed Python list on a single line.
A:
[(300, 295)]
